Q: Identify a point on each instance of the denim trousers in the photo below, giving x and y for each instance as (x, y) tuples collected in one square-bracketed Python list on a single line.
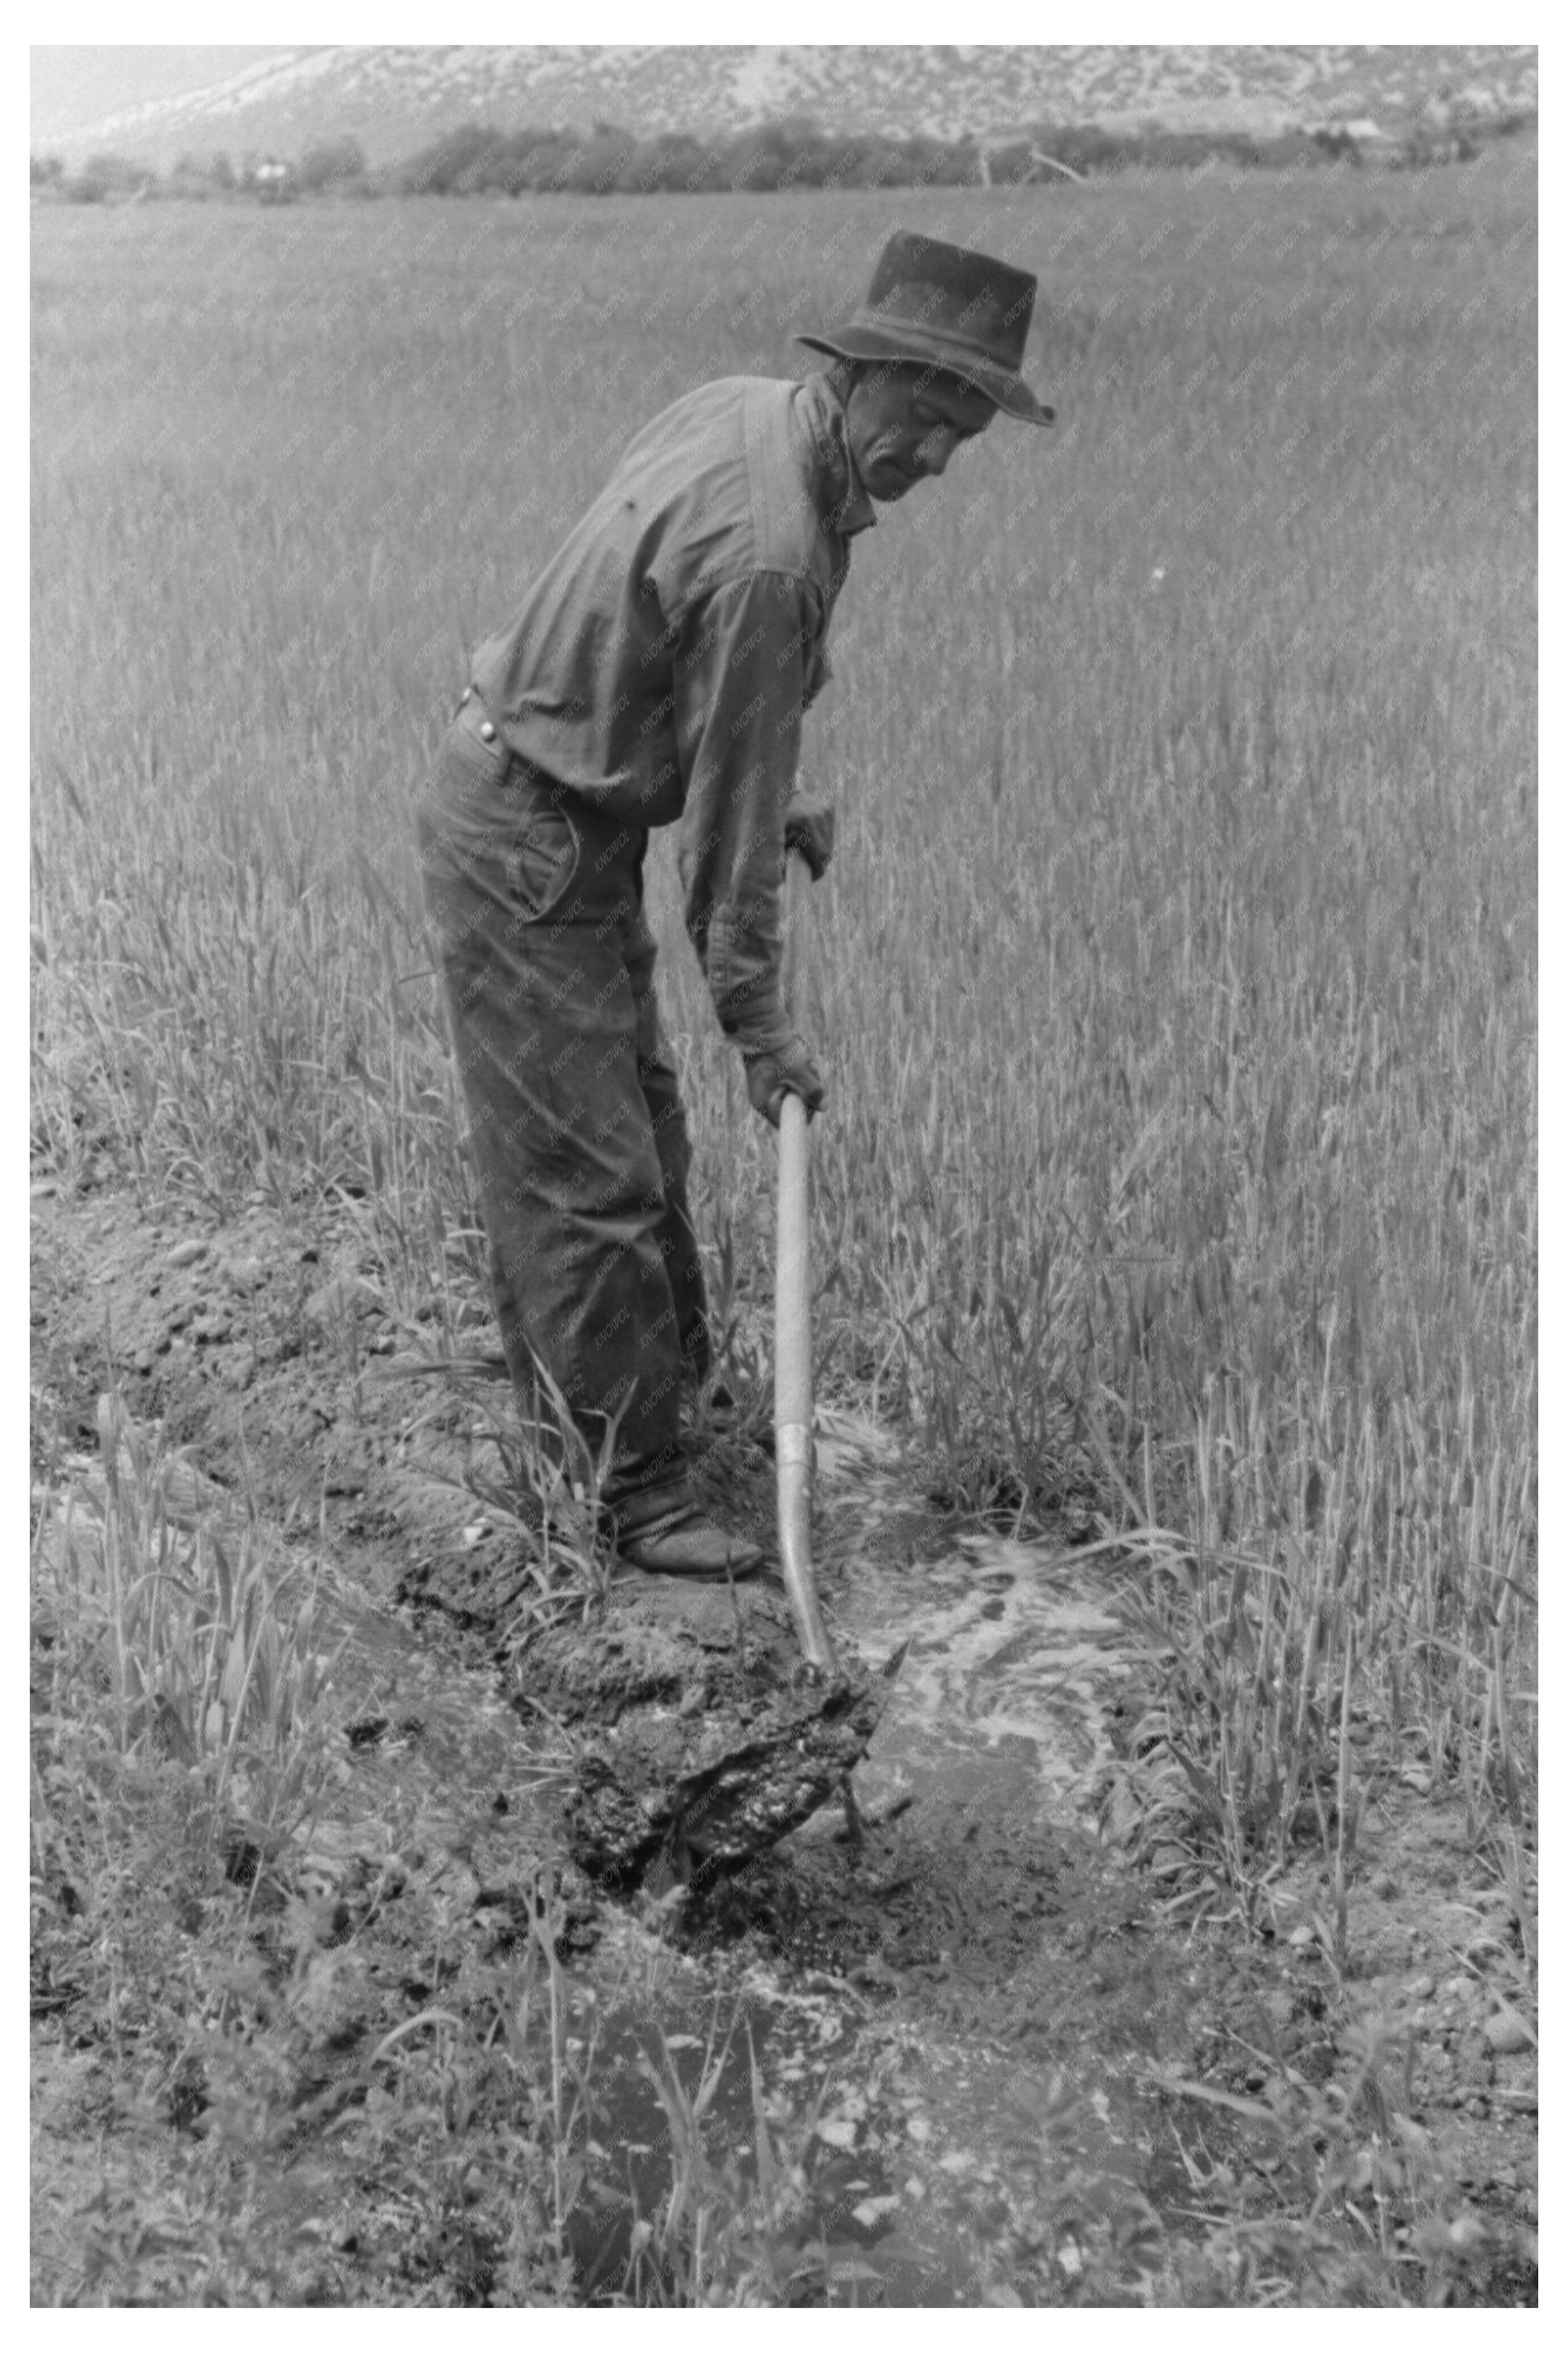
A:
[(575, 1124)]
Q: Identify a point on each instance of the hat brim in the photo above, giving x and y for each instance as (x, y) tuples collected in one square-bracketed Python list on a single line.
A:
[(1009, 392)]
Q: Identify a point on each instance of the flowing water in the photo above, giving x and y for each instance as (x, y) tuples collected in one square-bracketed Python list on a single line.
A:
[(947, 2028), (951, 2027)]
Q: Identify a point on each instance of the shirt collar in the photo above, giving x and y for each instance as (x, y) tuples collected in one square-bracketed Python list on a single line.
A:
[(842, 498)]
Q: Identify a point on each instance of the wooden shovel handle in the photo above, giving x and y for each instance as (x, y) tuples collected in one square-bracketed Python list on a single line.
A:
[(792, 1319)]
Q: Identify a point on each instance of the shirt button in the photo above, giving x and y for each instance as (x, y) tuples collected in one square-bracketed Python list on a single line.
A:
[(486, 731)]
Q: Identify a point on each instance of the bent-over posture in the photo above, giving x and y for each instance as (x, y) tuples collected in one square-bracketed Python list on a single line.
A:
[(657, 673)]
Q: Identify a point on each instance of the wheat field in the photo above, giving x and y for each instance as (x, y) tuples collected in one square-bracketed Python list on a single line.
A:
[(1176, 975)]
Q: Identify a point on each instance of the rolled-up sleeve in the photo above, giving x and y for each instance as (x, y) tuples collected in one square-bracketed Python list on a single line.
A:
[(741, 687)]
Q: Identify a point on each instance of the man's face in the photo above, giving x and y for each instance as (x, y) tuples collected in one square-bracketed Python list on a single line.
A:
[(905, 422)]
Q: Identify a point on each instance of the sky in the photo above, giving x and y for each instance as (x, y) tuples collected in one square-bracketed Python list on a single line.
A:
[(76, 86)]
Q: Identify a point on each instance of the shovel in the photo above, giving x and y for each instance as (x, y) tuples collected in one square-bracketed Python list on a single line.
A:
[(793, 1449), (795, 1453)]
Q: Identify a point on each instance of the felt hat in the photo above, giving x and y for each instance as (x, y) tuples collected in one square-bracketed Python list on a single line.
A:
[(947, 307)]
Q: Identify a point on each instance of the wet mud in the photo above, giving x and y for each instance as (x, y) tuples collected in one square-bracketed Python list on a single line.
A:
[(699, 1738), (952, 2014)]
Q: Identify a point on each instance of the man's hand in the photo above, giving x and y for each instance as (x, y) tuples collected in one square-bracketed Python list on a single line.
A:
[(783, 1068), (808, 828)]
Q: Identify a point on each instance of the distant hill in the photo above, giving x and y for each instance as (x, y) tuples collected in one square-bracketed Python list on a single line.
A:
[(396, 100)]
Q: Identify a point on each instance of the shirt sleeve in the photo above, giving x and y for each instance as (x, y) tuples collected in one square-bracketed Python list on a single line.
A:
[(741, 687)]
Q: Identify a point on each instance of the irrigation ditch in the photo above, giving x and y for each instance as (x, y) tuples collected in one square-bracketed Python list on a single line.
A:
[(985, 2041)]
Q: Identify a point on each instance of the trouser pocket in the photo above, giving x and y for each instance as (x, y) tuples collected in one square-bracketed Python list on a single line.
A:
[(466, 807), (542, 860), (490, 823)]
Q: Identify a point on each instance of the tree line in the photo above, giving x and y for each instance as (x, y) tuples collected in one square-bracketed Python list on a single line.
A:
[(479, 159)]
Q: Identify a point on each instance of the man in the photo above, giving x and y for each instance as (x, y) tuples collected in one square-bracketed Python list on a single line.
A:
[(657, 673)]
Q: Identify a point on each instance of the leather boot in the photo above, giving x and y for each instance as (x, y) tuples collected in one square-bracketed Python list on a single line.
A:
[(695, 1546)]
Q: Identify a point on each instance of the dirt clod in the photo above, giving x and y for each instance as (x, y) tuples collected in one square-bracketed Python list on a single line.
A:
[(699, 1739)]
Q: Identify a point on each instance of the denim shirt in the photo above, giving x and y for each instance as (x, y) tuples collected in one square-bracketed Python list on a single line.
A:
[(660, 663)]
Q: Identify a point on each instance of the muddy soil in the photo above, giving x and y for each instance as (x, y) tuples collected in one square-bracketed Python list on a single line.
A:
[(699, 1739), (973, 2014)]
